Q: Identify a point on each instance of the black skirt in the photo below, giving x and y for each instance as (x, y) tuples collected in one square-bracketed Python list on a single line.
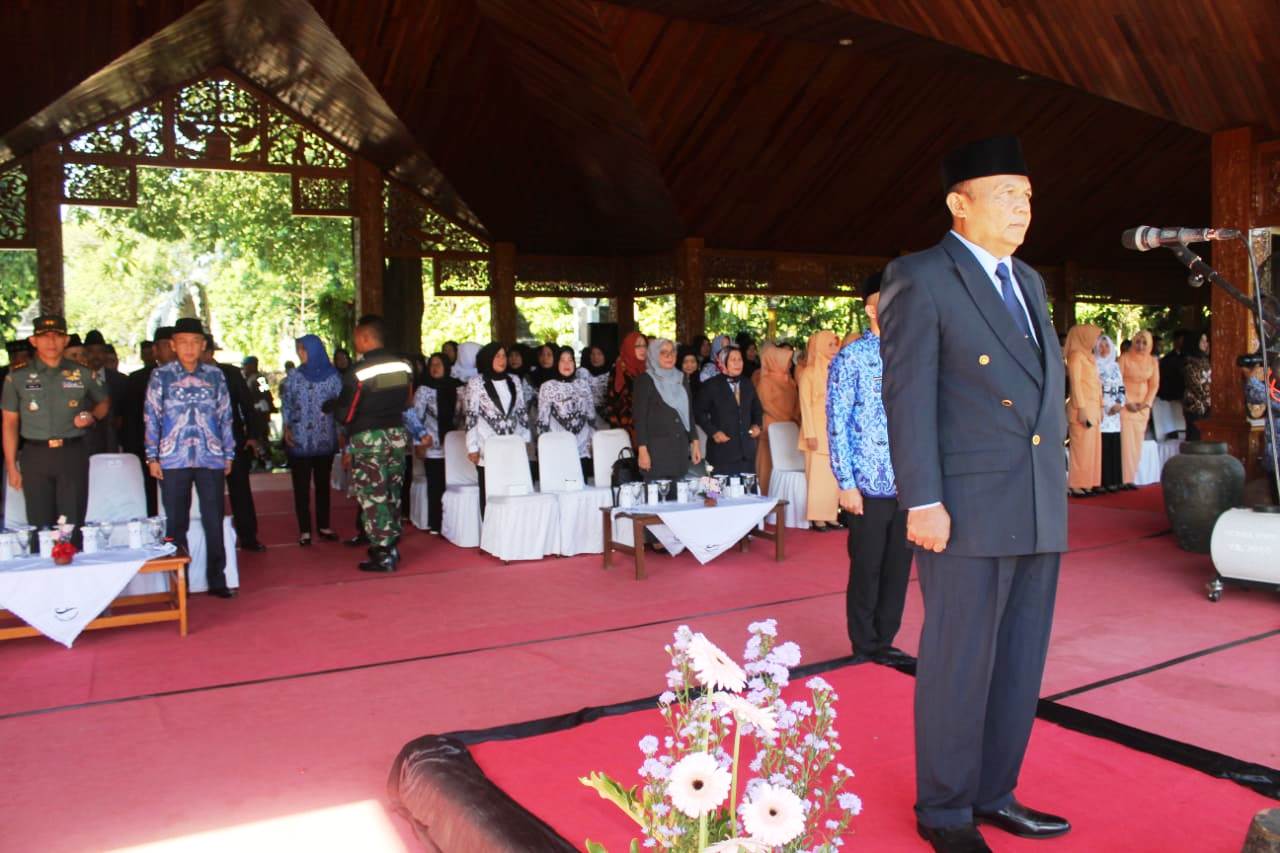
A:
[(1112, 472)]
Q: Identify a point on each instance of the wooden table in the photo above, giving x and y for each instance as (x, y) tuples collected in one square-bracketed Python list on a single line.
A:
[(174, 603), (643, 520)]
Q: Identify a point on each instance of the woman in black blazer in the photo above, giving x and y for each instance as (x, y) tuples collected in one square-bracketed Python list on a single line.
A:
[(729, 412), (662, 406)]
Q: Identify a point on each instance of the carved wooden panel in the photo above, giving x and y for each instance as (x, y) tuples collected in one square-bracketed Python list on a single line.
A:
[(557, 275), (652, 275), (15, 207), (1267, 178), (415, 229), (461, 276)]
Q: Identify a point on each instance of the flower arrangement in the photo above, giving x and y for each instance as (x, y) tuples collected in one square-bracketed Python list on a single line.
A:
[(693, 798), (63, 550), (709, 487)]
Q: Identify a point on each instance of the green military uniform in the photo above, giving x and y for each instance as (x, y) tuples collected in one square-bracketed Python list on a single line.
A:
[(371, 409), (53, 460)]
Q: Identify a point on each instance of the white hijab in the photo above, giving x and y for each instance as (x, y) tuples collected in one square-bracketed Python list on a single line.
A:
[(465, 367)]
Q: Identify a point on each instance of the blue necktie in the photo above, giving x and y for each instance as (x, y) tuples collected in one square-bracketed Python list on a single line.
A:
[(1012, 305)]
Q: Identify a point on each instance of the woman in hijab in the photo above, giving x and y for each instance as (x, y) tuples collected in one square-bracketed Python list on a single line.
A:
[(495, 405), (341, 360), (565, 404), (701, 347), (1113, 400), (714, 366), (545, 365), (728, 411), (689, 366), (666, 441), (596, 367), (750, 353), (450, 352), (310, 434), (823, 497), (779, 400), (436, 405), (1141, 373), (1084, 412), (619, 397), (465, 366)]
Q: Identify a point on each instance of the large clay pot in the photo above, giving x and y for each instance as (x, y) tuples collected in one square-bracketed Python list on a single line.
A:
[(1201, 483)]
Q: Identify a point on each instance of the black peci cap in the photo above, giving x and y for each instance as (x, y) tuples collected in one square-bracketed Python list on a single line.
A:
[(188, 326), (871, 284), (999, 155)]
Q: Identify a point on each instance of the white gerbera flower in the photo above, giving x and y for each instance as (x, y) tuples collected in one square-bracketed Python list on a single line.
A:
[(697, 784), (774, 816), (760, 718), (737, 845), (714, 668)]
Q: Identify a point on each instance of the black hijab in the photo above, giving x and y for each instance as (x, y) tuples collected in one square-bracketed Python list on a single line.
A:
[(573, 375), (446, 388), (585, 361), (539, 374), (694, 379), (484, 364)]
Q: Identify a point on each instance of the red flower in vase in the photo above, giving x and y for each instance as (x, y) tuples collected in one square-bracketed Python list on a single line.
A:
[(63, 552)]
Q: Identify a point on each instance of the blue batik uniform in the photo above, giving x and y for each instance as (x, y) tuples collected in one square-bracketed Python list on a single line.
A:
[(857, 428)]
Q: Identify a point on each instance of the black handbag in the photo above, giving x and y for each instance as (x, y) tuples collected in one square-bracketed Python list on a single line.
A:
[(624, 470)]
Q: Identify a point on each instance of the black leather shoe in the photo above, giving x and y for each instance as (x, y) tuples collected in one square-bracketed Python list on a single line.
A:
[(253, 546), (892, 655), (954, 839), (379, 560), (1017, 819), (356, 541), (860, 657), (223, 593)]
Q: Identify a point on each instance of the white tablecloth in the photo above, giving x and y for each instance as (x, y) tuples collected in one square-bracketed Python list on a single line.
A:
[(707, 531), (1149, 465), (58, 601)]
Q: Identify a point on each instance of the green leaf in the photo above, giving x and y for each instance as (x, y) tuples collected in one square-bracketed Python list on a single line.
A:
[(626, 799), (595, 847)]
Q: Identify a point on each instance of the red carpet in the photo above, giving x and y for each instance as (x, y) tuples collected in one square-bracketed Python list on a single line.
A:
[(1117, 799), (320, 673)]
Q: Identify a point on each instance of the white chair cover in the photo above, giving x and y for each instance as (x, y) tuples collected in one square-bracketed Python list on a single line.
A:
[(418, 495), (518, 523), (787, 481), (606, 444), (15, 505), (116, 490), (1150, 465), (581, 526), (338, 479), (460, 521), (1167, 417)]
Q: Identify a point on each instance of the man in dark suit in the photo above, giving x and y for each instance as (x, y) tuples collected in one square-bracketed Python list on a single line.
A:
[(973, 389), (133, 430), (244, 515)]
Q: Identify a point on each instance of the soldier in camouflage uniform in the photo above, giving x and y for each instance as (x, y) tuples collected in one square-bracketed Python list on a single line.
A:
[(375, 394)]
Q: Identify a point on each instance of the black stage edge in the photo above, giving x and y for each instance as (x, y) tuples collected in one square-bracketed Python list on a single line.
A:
[(437, 786)]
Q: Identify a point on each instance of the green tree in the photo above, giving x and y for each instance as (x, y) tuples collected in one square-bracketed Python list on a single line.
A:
[(17, 288)]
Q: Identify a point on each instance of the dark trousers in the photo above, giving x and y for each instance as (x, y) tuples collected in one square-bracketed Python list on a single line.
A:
[(244, 516), (55, 481), (434, 469), (406, 488), (304, 470), (982, 651), (1112, 472), (480, 481), (879, 569), (150, 485), (175, 490)]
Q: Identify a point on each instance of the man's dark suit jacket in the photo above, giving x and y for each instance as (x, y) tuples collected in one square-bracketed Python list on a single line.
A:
[(715, 410), (976, 416)]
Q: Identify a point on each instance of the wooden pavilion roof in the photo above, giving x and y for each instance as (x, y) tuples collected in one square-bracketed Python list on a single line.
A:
[(582, 127)]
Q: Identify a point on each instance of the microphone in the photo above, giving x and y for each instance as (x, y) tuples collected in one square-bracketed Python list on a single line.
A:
[(1144, 237)]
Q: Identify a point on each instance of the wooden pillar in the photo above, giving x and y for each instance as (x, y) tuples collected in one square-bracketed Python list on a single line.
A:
[(44, 195), (502, 301), (367, 232), (691, 294), (1233, 184), (624, 300)]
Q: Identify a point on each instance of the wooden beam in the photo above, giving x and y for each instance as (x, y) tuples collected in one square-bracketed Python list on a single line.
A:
[(624, 300), (502, 302), (367, 233), (44, 195), (1233, 189), (691, 290)]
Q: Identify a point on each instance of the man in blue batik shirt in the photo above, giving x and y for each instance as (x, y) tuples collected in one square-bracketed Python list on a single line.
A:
[(189, 441), (858, 434)]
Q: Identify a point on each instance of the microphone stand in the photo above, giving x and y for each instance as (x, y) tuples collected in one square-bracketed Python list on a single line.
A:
[(1265, 314)]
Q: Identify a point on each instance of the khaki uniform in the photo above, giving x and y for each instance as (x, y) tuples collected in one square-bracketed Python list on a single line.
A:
[(53, 460)]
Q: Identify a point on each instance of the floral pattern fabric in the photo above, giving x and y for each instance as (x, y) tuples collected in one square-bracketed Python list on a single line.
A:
[(568, 407), (1112, 394), (315, 433), (857, 427), (188, 417), (484, 417)]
